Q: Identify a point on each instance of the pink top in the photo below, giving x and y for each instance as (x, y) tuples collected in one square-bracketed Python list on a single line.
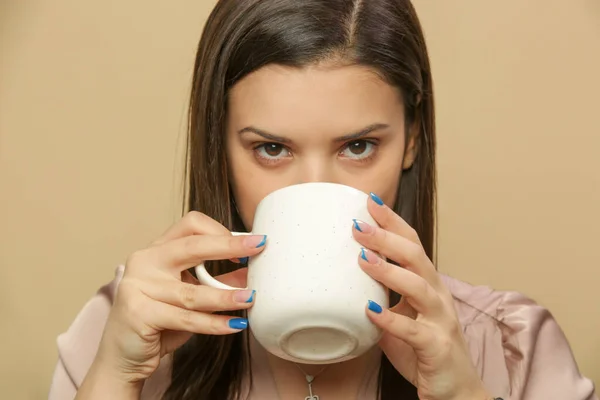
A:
[(518, 348)]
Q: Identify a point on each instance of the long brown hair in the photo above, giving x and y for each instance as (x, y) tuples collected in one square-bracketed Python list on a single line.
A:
[(243, 36)]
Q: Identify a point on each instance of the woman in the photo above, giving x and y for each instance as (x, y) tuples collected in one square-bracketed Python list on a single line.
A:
[(289, 91)]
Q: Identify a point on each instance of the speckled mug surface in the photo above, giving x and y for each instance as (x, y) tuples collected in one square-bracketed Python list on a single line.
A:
[(311, 293)]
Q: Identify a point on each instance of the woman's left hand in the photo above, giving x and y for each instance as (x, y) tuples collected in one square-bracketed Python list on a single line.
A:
[(422, 335)]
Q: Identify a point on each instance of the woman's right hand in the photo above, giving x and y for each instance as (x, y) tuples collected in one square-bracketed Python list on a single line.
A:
[(159, 305)]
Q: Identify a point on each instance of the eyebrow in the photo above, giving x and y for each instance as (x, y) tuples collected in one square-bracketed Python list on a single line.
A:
[(282, 139)]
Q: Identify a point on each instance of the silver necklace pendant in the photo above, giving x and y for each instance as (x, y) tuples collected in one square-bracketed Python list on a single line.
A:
[(309, 381), (311, 396)]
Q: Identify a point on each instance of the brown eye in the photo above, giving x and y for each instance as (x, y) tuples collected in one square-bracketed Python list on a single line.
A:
[(358, 147), (273, 149), (359, 150), (271, 153)]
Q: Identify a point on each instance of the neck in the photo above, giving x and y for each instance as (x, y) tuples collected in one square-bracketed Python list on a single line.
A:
[(345, 380)]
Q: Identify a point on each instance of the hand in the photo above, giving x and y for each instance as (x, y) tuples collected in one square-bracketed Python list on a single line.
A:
[(422, 335), (159, 304)]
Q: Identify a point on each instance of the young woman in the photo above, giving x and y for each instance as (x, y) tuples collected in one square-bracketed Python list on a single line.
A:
[(284, 92)]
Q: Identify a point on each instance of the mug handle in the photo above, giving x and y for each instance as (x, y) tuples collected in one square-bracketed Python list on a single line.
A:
[(206, 279)]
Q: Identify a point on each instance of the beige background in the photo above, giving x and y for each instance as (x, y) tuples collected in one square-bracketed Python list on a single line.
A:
[(92, 108)]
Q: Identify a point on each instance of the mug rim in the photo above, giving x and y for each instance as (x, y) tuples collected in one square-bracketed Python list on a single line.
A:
[(347, 188)]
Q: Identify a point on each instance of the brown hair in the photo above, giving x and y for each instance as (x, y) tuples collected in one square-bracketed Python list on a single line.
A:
[(243, 36)]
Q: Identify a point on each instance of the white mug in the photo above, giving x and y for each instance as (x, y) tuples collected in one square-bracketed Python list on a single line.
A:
[(311, 294)]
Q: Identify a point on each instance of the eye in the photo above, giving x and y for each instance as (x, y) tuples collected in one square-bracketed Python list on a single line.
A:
[(271, 152), (358, 149)]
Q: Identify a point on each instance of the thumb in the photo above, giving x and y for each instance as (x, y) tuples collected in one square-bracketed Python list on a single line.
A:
[(400, 355)]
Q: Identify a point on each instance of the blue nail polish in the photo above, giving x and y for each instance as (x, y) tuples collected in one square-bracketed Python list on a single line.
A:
[(238, 323), (244, 260), (356, 225), (376, 308), (251, 299), (262, 243), (363, 254), (376, 199)]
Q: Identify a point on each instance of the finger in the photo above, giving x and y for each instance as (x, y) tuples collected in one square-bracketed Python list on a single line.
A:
[(389, 220), (193, 223), (415, 334), (405, 252), (189, 251), (166, 316), (198, 297), (414, 288), (401, 355)]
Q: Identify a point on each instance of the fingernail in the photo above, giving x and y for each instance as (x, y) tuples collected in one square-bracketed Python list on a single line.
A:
[(376, 199), (362, 226), (255, 241), (376, 308), (244, 260), (369, 256), (238, 323), (244, 296)]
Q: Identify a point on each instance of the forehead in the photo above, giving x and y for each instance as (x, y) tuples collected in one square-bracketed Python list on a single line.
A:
[(324, 98)]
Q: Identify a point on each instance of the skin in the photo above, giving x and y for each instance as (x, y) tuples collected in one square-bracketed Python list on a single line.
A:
[(311, 109), (322, 123)]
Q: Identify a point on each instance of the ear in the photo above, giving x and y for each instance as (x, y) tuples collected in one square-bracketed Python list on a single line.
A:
[(412, 145)]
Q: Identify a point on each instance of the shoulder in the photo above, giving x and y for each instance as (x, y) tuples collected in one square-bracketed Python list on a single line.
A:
[(517, 345), (511, 312), (77, 346), (480, 304)]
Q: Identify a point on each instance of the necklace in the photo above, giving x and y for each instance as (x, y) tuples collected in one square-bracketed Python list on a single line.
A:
[(309, 380)]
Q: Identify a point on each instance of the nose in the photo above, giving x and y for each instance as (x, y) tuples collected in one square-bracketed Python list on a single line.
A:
[(316, 170)]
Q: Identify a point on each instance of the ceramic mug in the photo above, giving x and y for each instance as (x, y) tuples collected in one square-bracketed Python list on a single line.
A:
[(311, 293)]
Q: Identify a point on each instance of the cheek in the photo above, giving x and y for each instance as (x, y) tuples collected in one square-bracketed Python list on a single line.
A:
[(247, 196), (382, 180), (390, 193), (387, 187), (386, 180), (250, 185)]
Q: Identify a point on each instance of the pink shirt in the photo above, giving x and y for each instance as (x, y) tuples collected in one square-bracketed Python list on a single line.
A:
[(518, 348)]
